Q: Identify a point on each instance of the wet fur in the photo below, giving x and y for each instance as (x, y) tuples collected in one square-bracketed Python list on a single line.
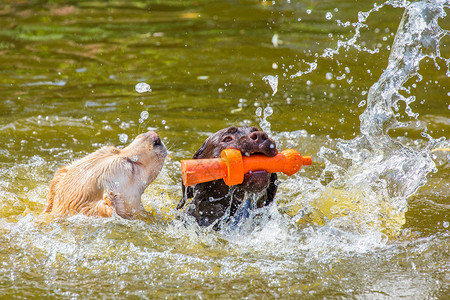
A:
[(108, 180)]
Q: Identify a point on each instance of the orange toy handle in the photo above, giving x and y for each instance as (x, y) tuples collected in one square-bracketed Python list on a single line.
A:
[(231, 166), (195, 171), (288, 161)]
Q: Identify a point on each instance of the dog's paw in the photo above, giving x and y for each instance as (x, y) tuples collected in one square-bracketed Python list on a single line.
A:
[(107, 205)]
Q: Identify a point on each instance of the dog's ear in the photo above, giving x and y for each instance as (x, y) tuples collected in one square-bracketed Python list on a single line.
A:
[(188, 192), (272, 188), (201, 150)]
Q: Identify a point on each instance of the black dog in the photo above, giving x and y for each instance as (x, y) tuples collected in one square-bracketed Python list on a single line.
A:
[(215, 200)]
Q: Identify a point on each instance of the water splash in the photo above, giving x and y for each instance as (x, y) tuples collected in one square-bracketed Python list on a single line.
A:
[(362, 17), (273, 82), (374, 174), (264, 124), (418, 37), (312, 67)]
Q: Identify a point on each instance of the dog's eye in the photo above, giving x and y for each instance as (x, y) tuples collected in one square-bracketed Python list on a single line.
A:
[(132, 159), (227, 139), (232, 130)]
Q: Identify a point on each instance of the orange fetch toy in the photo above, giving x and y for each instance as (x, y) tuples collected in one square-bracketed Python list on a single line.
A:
[(231, 166)]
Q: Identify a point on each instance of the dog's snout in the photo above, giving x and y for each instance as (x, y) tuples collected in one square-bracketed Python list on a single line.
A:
[(154, 137), (156, 140), (258, 136)]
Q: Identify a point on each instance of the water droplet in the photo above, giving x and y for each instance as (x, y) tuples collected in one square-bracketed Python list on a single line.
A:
[(275, 40), (265, 125), (362, 103), (144, 115), (329, 76), (273, 82), (445, 224), (142, 87), (328, 16), (258, 112), (268, 111), (123, 137), (301, 213), (335, 209)]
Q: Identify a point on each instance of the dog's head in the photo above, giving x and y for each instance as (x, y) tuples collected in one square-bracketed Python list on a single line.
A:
[(132, 168), (145, 154), (125, 173), (248, 140)]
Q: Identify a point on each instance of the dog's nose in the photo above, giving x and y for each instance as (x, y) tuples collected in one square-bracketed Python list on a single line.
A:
[(258, 136), (157, 140), (154, 137)]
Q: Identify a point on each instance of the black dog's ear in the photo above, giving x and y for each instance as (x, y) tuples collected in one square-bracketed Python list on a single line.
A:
[(201, 150), (188, 192), (272, 188)]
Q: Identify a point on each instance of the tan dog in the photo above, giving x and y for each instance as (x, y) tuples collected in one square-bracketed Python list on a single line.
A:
[(108, 180)]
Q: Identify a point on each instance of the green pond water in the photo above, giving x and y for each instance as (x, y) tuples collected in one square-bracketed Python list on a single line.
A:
[(68, 71)]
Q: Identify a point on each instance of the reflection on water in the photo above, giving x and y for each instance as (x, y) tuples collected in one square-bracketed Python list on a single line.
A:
[(353, 225)]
